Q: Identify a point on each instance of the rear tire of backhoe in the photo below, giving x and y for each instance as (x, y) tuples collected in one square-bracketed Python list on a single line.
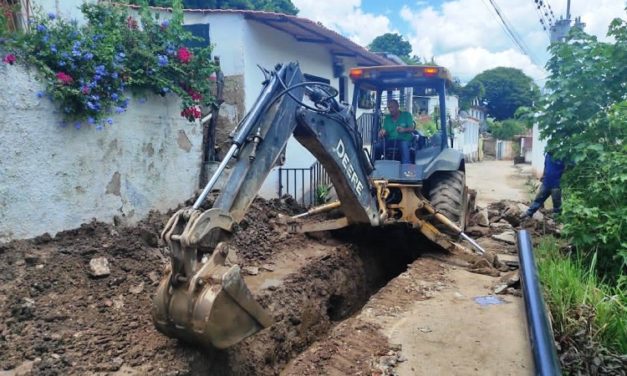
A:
[(447, 193)]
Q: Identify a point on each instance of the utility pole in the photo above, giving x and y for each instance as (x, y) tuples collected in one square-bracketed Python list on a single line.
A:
[(561, 27)]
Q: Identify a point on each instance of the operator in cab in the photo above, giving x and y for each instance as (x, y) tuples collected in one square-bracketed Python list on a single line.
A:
[(397, 131)]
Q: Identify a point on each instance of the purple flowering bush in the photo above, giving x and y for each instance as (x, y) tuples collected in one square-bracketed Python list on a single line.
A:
[(89, 69)]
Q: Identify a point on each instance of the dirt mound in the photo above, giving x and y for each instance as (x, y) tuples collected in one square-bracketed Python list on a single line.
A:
[(56, 314), (57, 318)]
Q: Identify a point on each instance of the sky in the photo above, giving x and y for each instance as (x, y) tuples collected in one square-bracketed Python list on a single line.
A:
[(465, 36)]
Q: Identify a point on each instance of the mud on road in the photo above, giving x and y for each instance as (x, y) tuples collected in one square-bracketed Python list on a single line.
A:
[(57, 318)]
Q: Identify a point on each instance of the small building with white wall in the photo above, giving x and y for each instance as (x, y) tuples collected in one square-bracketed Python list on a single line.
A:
[(246, 39)]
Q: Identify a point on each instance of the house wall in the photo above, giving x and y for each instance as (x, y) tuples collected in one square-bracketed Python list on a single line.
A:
[(242, 45), (452, 105), (69, 9), (267, 47), (467, 139), (537, 152), (505, 150), (55, 178)]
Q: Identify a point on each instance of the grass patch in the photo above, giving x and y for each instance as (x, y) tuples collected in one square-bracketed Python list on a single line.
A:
[(589, 317)]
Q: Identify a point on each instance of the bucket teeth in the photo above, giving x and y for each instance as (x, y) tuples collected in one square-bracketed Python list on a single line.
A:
[(213, 308)]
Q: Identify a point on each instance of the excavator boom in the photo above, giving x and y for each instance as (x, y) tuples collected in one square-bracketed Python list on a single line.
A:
[(203, 298)]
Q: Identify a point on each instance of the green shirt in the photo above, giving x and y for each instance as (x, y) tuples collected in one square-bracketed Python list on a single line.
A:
[(404, 120)]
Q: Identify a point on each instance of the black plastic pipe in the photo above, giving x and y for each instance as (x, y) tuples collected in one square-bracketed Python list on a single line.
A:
[(541, 335)]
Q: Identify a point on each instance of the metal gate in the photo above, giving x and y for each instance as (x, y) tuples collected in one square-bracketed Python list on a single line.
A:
[(304, 184)]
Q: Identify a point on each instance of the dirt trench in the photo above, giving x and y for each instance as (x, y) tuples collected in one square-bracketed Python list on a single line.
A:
[(56, 319)]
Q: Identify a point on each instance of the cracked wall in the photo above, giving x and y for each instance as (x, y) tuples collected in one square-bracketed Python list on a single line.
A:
[(55, 178)]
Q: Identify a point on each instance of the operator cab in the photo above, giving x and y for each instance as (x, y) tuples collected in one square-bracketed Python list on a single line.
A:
[(380, 86)]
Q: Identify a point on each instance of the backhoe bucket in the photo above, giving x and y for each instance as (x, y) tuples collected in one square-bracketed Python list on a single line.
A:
[(214, 308)]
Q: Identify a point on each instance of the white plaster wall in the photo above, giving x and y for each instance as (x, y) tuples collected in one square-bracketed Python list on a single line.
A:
[(68, 9), (467, 141), (452, 105), (54, 178), (537, 152), (226, 32), (267, 47)]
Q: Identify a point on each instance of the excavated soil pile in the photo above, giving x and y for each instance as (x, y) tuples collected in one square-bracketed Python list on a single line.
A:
[(57, 318)]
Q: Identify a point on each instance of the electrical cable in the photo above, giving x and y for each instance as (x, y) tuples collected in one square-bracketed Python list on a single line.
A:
[(510, 32), (544, 21)]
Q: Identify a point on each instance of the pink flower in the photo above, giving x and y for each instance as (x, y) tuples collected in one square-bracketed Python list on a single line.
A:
[(191, 113), (65, 78), (194, 94), (9, 59), (184, 55)]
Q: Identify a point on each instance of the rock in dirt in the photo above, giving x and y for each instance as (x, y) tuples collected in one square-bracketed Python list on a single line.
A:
[(500, 225), (23, 369), (477, 231), (31, 259), (154, 277), (267, 267), (507, 283), (481, 218), (508, 237), (251, 270), (511, 278), (99, 267), (136, 289), (512, 214)]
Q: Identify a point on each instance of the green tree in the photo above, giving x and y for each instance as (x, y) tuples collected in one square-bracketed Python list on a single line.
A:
[(469, 92), (506, 89), (392, 43), (584, 118), (526, 115), (506, 129), (412, 60), (279, 6)]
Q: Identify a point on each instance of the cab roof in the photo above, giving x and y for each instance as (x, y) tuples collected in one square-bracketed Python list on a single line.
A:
[(387, 77)]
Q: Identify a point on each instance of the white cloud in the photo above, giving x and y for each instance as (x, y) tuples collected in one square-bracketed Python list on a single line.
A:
[(345, 17), (468, 37), (468, 62), (464, 35)]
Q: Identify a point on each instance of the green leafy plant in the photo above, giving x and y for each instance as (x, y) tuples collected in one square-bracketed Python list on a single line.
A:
[(322, 194), (426, 125), (89, 69), (584, 118), (6, 18), (506, 129)]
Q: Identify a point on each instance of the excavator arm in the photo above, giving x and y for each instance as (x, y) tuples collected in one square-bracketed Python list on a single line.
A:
[(203, 298)]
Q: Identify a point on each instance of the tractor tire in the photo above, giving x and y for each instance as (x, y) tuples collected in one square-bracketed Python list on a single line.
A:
[(448, 195)]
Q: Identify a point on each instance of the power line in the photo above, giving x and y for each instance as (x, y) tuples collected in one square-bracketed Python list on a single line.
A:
[(545, 15), (510, 32), (544, 21)]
